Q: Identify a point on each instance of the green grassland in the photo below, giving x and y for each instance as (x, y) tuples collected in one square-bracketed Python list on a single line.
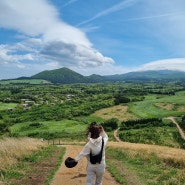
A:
[(5, 106), (149, 109), (29, 81), (50, 129)]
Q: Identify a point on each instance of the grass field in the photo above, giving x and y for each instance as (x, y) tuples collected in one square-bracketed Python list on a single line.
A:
[(5, 106), (11, 149), (162, 107), (28, 161), (120, 112), (55, 129), (31, 81), (151, 107)]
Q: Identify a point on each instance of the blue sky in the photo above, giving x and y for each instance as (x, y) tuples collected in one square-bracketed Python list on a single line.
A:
[(91, 36)]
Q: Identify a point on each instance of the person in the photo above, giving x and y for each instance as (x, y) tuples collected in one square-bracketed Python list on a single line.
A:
[(94, 144)]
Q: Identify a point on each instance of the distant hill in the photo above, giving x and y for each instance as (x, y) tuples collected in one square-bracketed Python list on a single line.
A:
[(149, 75), (68, 76), (96, 78), (62, 75)]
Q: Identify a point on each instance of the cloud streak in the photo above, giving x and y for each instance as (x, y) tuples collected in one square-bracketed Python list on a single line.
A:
[(70, 2), (115, 8), (153, 16)]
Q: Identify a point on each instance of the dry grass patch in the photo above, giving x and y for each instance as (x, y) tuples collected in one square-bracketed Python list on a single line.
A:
[(171, 156), (120, 112), (170, 106), (181, 108), (12, 149), (165, 106)]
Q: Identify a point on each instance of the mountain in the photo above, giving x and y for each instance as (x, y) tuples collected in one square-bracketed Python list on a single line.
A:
[(62, 75), (67, 76)]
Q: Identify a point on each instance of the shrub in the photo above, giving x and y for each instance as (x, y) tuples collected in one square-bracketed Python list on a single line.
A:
[(110, 124)]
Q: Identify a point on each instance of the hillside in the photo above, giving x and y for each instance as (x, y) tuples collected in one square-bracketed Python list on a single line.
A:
[(62, 75)]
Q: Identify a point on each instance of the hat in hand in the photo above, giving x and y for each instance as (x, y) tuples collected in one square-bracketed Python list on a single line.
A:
[(70, 162)]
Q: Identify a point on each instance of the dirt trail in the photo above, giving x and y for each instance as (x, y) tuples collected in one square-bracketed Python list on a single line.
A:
[(77, 175), (116, 135), (178, 127)]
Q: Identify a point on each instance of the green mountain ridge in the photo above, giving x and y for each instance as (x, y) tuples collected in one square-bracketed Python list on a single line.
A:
[(68, 76)]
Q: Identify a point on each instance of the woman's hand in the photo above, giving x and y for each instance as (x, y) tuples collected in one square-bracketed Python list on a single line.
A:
[(101, 128)]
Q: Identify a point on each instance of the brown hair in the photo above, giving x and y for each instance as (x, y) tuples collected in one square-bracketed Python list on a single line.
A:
[(95, 131), (88, 129)]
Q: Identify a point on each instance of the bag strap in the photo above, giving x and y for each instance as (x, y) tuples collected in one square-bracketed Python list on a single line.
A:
[(102, 145)]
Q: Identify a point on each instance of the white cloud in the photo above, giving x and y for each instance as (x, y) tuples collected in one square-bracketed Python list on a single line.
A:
[(8, 54), (167, 64), (38, 18), (66, 33), (71, 54), (29, 17), (106, 69)]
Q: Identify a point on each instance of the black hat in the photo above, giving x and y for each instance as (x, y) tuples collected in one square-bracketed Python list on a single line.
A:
[(70, 162)]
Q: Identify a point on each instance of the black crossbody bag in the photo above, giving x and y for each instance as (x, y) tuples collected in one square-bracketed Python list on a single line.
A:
[(97, 158)]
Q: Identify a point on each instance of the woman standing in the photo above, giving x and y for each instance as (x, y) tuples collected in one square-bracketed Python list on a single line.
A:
[(97, 137)]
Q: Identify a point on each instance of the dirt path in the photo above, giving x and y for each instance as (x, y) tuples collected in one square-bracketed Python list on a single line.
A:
[(77, 175), (178, 127), (116, 135)]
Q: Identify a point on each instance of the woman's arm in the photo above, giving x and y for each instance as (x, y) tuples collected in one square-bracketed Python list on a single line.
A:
[(85, 151), (103, 134)]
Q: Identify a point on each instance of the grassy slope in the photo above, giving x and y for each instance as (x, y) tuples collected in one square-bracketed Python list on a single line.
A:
[(149, 164)]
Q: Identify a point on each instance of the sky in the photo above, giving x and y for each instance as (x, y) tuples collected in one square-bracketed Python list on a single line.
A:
[(102, 37)]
